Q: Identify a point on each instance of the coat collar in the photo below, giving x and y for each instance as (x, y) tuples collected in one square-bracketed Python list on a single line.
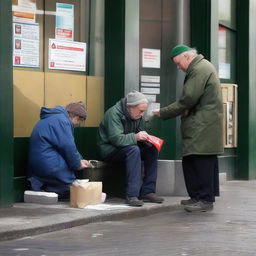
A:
[(194, 62)]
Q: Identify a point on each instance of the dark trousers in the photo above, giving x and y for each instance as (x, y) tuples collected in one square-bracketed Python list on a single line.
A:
[(201, 174), (132, 157)]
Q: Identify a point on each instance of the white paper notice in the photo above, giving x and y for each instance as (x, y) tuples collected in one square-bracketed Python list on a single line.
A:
[(150, 58), (148, 90), (26, 44), (224, 70), (150, 79), (64, 21), (104, 207), (67, 55), (150, 85), (24, 11)]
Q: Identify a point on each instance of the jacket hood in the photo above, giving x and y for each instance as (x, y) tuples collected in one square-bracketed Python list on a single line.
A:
[(123, 108), (46, 112)]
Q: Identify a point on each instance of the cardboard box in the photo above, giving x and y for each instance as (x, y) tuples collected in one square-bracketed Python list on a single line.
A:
[(89, 193)]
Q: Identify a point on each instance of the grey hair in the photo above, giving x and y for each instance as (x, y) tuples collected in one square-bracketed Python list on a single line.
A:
[(191, 53)]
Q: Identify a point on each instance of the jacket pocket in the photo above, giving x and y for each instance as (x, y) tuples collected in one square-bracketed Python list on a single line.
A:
[(188, 126)]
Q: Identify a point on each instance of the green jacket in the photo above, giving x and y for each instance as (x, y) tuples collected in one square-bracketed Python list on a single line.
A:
[(117, 129), (201, 110)]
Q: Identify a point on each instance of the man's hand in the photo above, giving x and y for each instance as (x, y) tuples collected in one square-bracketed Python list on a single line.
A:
[(156, 112), (141, 136), (85, 164)]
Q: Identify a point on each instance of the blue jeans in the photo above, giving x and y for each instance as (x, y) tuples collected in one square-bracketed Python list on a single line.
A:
[(132, 157)]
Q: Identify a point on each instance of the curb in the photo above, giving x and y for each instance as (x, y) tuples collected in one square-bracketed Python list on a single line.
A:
[(100, 217)]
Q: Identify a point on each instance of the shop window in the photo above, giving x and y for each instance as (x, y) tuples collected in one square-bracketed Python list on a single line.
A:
[(58, 58), (227, 40), (226, 54), (56, 35)]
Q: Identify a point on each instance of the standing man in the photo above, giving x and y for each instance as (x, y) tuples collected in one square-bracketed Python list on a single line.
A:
[(122, 138), (201, 110), (53, 156)]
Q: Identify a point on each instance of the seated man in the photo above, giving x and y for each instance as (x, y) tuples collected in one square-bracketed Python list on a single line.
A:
[(53, 156), (121, 138)]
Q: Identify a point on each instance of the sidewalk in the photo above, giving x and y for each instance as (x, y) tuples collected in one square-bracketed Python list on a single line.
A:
[(237, 199), (25, 219)]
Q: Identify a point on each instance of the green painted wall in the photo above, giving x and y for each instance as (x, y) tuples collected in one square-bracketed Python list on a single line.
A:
[(86, 142), (200, 16), (20, 164), (6, 103), (242, 78), (114, 51), (252, 89)]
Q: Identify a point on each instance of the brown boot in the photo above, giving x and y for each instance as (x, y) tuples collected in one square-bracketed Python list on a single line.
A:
[(200, 206), (188, 201), (133, 201), (152, 198)]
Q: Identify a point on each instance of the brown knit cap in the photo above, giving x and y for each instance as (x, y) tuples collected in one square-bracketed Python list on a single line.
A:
[(77, 109)]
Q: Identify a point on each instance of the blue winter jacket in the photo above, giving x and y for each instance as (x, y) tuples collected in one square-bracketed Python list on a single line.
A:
[(53, 155)]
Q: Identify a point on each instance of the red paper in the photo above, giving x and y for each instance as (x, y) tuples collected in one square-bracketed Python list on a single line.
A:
[(156, 142)]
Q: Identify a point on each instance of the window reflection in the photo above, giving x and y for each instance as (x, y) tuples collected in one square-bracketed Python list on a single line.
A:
[(227, 12), (226, 39)]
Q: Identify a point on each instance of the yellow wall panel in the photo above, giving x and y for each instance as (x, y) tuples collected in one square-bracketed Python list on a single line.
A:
[(62, 89), (33, 89), (28, 93), (95, 101)]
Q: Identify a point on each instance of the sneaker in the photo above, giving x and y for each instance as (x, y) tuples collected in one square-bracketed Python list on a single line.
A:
[(188, 201), (133, 201), (200, 206), (152, 198)]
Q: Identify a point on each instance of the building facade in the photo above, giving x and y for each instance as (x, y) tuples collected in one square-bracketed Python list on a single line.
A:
[(56, 52)]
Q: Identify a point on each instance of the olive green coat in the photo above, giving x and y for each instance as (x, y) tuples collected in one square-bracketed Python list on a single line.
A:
[(201, 110), (117, 129)]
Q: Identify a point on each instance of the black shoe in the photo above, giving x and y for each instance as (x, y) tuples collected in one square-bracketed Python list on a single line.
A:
[(133, 201), (152, 198), (200, 206), (188, 201)]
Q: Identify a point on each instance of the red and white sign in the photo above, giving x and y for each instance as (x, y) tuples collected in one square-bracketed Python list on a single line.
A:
[(150, 58), (67, 55)]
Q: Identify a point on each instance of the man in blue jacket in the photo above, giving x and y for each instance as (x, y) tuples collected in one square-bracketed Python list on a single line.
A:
[(53, 156)]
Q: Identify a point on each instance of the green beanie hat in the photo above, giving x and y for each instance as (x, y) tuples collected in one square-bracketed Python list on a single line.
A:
[(178, 49)]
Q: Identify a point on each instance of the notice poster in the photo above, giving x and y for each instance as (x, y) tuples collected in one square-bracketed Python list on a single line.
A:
[(224, 70), (64, 21), (24, 11), (148, 90), (150, 79), (26, 44), (150, 58), (67, 55)]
